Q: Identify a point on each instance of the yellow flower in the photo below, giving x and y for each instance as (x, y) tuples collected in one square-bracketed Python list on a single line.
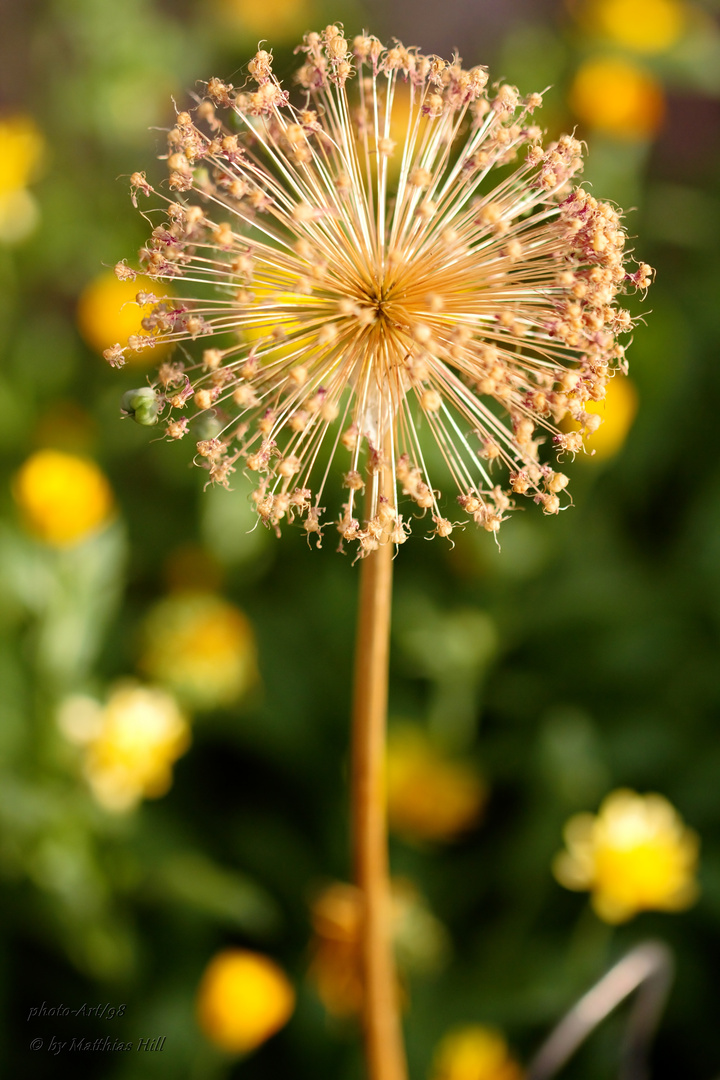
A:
[(21, 150), (617, 97), (430, 797), (635, 855), (618, 411), (202, 647), (63, 498), (107, 312), (243, 999), (647, 26), (474, 1052), (130, 744)]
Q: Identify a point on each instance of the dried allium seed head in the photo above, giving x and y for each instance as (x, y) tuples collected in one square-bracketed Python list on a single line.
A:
[(370, 291)]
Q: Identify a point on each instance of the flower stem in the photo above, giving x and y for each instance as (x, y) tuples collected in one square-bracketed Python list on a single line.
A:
[(383, 1033)]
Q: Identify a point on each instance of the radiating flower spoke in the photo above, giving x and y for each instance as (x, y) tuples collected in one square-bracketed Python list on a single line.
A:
[(369, 289)]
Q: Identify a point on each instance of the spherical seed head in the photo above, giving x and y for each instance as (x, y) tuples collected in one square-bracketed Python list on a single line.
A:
[(375, 289)]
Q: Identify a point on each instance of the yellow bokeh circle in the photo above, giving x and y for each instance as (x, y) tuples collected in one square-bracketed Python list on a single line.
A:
[(474, 1052), (62, 497), (618, 410), (616, 97), (200, 646), (243, 999), (429, 796), (646, 26), (283, 19), (140, 734), (21, 150), (107, 313)]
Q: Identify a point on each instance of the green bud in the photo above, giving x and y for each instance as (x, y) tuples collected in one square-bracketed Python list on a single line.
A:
[(142, 405)]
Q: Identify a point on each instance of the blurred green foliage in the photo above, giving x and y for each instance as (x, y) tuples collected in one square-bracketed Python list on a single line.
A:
[(579, 658)]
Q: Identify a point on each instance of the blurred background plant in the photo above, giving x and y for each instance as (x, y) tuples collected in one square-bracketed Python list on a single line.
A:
[(174, 686)]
